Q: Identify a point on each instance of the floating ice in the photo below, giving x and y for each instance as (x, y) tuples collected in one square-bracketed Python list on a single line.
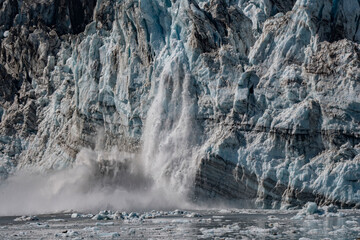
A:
[(109, 235), (311, 208), (104, 224), (26, 218), (193, 215), (109, 215), (67, 234), (40, 225)]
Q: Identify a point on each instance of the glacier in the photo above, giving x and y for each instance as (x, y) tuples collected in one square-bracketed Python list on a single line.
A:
[(235, 101)]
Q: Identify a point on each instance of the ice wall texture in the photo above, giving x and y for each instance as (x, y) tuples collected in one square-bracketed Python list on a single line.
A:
[(260, 97)]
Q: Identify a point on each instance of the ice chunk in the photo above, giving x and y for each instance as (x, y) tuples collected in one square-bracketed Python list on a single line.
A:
[(109, 215), (193, 215), (311, 208), (330, 209), (26, 218), (67, 233), (57, 220), (91, 229), (352, 222), (133, 215), (109, 235), (40, 225), (104, 224), (75, 215)]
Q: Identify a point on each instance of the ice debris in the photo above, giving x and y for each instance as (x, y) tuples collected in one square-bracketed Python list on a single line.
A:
[(26, 218), (67, 233), (109, 235), (91, 229), (193, 215), (78, 215), (134, 216), (104, 224), (40, 225), (108, 215), (312, 208)]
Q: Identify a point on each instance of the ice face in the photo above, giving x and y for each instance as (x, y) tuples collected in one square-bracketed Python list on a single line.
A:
[(230, 100)]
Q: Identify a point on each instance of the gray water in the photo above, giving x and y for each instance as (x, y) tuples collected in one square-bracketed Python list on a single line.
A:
[(206, 224)]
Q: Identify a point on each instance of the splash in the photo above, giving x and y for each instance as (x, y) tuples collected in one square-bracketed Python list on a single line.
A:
[(111, 180), (157, 178)]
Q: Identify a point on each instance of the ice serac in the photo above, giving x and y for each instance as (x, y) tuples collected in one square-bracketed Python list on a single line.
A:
[(231, 100)]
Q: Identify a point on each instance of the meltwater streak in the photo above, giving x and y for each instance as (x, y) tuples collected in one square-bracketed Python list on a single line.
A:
[(158, 178)]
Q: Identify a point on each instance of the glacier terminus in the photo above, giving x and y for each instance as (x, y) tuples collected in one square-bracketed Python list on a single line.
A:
[(179, 103)]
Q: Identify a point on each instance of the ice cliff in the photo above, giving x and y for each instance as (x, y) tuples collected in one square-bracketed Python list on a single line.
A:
[(230, 99)]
